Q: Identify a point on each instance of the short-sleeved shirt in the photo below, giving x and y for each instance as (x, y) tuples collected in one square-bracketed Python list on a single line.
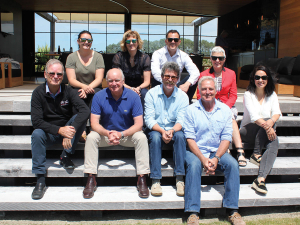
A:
[(133, 75), (117, 115), (85, 74)]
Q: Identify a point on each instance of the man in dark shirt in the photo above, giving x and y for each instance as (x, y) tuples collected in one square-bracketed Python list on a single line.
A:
[(54, 122)]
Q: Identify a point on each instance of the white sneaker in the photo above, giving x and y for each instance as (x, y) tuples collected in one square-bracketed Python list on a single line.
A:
[(156, 189), (179, 188)]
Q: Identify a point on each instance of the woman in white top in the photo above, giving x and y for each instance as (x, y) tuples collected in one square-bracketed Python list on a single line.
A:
[(261, 111)]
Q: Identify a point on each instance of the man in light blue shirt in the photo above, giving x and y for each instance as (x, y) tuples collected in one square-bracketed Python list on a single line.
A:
[(165, 107), (208, 129)]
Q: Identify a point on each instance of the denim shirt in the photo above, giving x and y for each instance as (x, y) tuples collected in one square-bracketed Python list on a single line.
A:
[(164, 111), (208, 129)]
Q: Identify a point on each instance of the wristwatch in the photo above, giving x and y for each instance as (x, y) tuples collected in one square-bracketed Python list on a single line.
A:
[(122, 136), (218, 158)]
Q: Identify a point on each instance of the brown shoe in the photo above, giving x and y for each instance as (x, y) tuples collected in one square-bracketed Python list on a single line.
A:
[(236, 219), (193, 220), (91, 187), (142, 187)]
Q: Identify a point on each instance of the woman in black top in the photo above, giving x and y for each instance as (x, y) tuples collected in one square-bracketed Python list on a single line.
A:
[(134, 64)]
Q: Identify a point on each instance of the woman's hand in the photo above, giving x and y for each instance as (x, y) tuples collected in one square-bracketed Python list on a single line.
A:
[(88, 90), (271, 134), (137, 90), (82, 93)]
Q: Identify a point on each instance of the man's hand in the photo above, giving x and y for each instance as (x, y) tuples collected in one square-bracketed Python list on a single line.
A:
[(67, 131), (82, 93), (114, 137), (165, 136), (210, 166), (185, 87), (67, 143)]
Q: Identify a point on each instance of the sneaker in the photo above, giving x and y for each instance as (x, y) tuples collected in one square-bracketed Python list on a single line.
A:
[(156, 189), (179, 188), (236, 219), (259, 187), (67, 163), (254, 160), (193, 220)]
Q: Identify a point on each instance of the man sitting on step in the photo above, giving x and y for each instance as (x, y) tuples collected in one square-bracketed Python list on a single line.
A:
[(165, 107), (208, 129), (116, 119), (52, 117)]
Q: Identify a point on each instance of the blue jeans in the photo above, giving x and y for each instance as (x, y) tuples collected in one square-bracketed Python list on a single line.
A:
[(228, 165), (40, 140), (155, 147)]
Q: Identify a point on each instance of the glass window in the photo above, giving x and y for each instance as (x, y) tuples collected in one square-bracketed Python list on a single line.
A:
[(99, 43), (113, 43), (62, 40), (41, 24), (42, 42), (62, 22), (79, 22)]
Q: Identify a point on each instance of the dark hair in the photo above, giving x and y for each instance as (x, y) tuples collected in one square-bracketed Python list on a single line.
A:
[(84, 32), (172, 66), (270, 87), (172, 31)]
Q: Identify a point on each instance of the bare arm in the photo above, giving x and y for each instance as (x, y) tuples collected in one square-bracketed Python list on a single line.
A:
[(98, 78), (96, 126), (72, 79)]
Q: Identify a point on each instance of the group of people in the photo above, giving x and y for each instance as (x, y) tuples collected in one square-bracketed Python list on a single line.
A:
[(128, 114)]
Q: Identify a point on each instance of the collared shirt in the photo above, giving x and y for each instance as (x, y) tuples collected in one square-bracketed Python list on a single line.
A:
[(208, 129), (51, 94), (117, 115), (164, 111), (161, 56)]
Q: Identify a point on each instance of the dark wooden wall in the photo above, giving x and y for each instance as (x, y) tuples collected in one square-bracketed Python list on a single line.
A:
[(289, 28)]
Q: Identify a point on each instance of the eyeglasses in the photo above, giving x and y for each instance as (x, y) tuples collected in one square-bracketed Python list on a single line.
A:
[(86, 39), (53, 74), (129, 41), (167, 77), (173, 39), (214, 58), (256, 77)]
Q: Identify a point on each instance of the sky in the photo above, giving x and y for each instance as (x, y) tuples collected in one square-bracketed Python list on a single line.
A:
[(115, 33)]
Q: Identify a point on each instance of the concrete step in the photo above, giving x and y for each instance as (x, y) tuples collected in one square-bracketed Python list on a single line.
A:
[(23, 142), (24, 120), (126, 198), (125, 167)]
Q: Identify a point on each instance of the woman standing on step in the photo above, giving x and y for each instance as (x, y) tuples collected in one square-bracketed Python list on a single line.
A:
[(85, 69), (227, 93), (261, 111), (134, 64)]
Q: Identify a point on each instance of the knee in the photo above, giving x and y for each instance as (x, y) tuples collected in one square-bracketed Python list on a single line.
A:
[(155, 137), (179, 135), (232, 165), (93, 137), (193, 164), (38, 135), (140, 137), (144, 92)]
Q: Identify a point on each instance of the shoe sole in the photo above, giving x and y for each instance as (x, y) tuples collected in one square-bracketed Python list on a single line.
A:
[(156, 194), (70, 167), (256, 188), (180, 194), (254, 162), (95, 189)]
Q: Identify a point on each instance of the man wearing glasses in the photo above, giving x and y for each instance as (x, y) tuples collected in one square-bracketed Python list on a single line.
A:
[(171, 53), (54, 123), (116, 119), (165, 107)]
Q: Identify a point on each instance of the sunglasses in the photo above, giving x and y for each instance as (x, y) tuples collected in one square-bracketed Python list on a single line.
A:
[(256, 77), (129, 41), (173, 39), (214, 58), (167, 77), (86, 39), (53, 73)]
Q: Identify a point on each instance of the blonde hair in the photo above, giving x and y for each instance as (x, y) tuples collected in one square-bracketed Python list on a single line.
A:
[(131, 33)]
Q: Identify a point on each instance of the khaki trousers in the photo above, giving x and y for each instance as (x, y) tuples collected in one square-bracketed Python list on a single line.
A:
[(138, 141)]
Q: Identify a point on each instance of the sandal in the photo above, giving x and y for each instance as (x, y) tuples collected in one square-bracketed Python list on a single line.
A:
[(242, 162), (254, 160)]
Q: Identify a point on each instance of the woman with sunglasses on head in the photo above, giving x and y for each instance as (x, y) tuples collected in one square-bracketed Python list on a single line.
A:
[(134, 64), (261, 111), (85, 70), (226, 93)]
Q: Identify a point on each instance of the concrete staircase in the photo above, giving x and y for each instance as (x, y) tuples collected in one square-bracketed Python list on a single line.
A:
[(117, 189)]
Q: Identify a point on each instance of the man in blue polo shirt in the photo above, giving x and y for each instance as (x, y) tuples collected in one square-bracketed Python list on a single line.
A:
[(116, 119)]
